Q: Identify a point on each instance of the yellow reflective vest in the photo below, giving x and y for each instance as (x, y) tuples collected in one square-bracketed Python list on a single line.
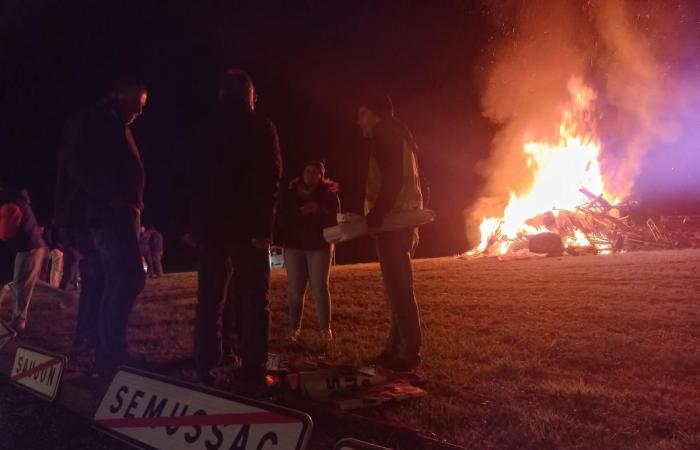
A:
[(410, 196)]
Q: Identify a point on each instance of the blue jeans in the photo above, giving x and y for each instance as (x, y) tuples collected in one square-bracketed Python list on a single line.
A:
[(394, 249), (306, 267)]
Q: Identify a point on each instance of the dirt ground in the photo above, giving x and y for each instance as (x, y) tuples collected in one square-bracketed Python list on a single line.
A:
[(570, 352)]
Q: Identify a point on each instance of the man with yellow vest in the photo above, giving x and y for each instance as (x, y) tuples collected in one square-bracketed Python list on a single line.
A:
[(393, 184)]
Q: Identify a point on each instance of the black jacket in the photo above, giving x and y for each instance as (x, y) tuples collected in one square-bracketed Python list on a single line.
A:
[(98, 170), (235, 177), (305, 231)]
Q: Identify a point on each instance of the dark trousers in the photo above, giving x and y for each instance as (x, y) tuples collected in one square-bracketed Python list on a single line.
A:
[(71, 258), (394, 250), (251, 267), (116, 242), (91, 287), (231, 319)]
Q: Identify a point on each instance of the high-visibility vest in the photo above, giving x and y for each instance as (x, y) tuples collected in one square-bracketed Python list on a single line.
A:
[(410, 196)]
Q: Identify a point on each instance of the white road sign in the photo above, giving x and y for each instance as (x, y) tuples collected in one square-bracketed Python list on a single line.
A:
[(38, 370), (153, 412), (354, 444)]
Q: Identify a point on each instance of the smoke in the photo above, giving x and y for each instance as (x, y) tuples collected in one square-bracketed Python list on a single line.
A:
[(636, 54)]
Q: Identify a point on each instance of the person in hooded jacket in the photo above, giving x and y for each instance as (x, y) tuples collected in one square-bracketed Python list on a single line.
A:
[(309, 205)]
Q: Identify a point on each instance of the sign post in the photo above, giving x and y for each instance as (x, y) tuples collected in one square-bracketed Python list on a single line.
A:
[(38, 371), (154, 412), (7, 334)]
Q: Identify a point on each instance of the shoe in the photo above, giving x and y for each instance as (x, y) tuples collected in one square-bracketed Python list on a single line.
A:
[(253, 383), (327, 335), (295, 335), (403, 364)]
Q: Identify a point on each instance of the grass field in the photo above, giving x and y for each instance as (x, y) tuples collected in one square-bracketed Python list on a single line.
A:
[(572, 352)]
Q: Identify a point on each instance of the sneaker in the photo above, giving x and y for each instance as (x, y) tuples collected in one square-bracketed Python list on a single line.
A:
[(295, 335), (327, 335)]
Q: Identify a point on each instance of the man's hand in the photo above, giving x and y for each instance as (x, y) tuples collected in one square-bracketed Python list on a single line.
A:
[(309, 208), (261, 243)]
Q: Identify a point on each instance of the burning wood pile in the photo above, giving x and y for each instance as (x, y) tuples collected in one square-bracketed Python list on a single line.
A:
[(595, 227), (533, 203)]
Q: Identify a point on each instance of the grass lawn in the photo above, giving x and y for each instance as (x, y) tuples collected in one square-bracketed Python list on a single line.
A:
[(572, 352)]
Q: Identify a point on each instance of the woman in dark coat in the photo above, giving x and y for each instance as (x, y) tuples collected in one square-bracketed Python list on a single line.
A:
[(308, 206)]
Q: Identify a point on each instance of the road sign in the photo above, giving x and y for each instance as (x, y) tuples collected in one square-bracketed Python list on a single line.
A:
[(354, 444), (38, 371), (154, 412), (6, 334)]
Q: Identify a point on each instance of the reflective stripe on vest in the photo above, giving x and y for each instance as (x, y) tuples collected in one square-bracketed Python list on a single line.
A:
[(410, 196)]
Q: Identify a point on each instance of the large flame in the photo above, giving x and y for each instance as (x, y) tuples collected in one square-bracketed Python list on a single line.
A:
[(559, 170)]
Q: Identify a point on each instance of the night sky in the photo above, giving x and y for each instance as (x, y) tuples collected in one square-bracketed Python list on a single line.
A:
[(309, 59)]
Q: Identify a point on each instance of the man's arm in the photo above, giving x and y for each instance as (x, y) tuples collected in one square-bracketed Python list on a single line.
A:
[(268, 184), (80, 161), (331, 208), (10, 219), (389, 156)]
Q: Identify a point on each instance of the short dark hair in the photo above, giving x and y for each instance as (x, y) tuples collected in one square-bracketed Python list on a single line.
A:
[(128, 82), (379, 103), (236, 83), (320, 165)]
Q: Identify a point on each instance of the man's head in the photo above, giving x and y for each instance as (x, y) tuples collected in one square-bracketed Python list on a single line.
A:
[(372, 110), (237, 86), (128, 99)]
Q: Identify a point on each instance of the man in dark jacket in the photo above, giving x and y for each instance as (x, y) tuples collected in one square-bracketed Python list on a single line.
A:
[(19, 228), (393, 184), (100, 199), (236, 186)]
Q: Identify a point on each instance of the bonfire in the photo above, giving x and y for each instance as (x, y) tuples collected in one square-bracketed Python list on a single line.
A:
[(567, 208)]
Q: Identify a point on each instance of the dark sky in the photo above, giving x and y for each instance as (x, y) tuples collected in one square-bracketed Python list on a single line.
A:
[(310, 59)]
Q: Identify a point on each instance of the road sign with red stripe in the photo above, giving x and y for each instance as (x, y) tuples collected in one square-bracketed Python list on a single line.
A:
[(6, 334), (355, 444), (38, 371), (155, 412)]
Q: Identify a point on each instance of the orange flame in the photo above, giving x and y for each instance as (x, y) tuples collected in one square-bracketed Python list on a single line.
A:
[(559, 170)]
